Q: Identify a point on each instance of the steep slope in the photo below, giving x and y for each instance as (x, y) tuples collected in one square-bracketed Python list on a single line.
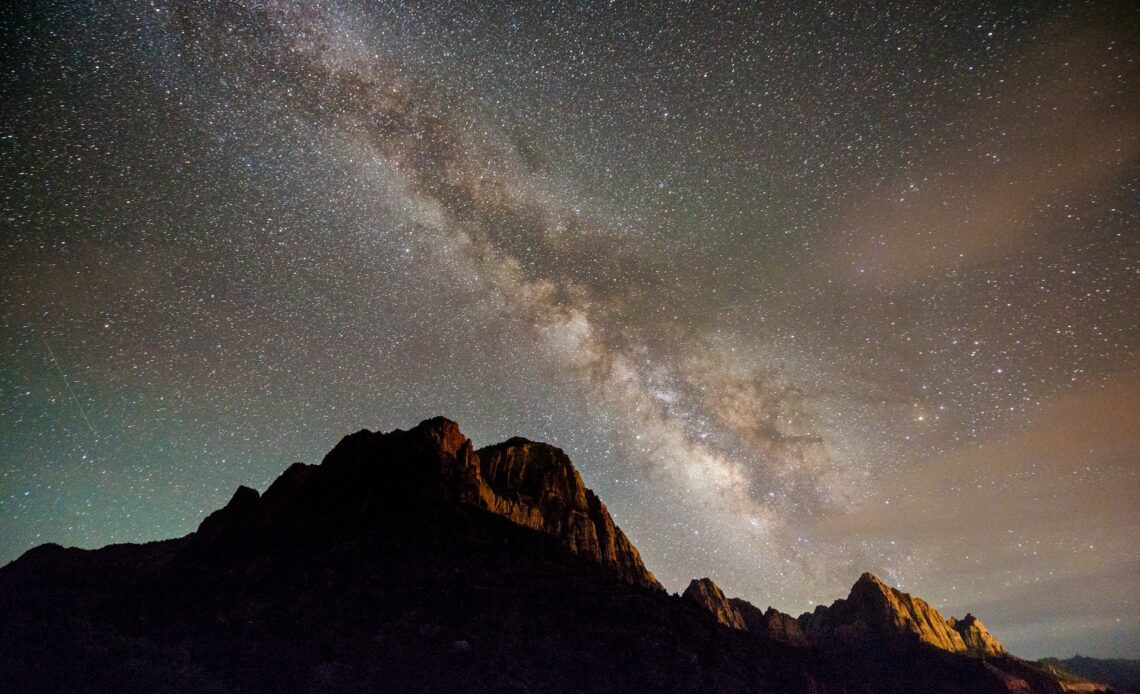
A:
[(536, 486), (709, 596), (1122, 674), (874, 611), (978, 639)]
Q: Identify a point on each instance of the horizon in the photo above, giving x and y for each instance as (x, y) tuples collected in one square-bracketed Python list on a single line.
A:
[(802, 292)]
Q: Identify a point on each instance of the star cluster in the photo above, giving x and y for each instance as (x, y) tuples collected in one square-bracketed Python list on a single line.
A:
[(805, 290)]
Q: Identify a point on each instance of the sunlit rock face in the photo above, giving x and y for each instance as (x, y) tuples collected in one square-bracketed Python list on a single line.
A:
[(536, 485), (709, 595), (978, 640), (874, 611)]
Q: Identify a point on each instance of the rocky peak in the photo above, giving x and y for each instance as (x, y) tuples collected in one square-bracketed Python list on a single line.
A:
[(444, 433), (978, 639), (368, 473), (876, 612), (530, 472), (536, 485), (241, 506), (709, 596), (779, 626), (771, 623)]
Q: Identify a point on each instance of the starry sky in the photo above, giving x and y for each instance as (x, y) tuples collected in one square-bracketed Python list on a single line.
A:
[(805, 289)]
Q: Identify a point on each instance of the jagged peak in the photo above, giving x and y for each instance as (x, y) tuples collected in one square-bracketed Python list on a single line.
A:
[(874, 611), (708, 594), (871, 587), (870, 582), (704, 586), (443, 431), (243, 494), (243, 503), (367, 473), (977, 638)]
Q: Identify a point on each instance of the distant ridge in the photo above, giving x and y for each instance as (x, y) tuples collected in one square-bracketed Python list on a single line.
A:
[(872, 614)]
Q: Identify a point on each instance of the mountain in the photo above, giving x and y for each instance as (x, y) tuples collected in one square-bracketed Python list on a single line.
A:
[(533, 485), (876, 619), (409, 561), (975, 636), (709, 596)]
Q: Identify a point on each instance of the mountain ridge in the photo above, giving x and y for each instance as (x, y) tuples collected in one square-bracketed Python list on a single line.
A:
[(411, 560)]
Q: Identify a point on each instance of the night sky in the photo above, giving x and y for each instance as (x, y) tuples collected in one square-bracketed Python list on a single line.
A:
[(804, 289)]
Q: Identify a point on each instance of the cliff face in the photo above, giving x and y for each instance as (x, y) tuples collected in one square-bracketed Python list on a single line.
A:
[(709, 596), (872, 614), (531, 484), (535, 485), (771, 623), (875, 611), (978, 640)]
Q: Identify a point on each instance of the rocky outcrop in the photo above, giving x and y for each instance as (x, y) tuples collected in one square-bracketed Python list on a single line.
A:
[(783, 627), (531, 484), (242, 507), (536, 485), (741, 614), (876, 613), (709, 596), (978, 640), (872, 614), (771, 623)]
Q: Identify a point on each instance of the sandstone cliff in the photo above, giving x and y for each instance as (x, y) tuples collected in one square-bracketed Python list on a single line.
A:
[(874, 611), (978, 640), (536, 485), (872, 614), (709, 596), (741, 614)]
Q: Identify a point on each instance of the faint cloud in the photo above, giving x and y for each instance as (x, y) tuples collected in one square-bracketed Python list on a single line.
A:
[(1058, 123)]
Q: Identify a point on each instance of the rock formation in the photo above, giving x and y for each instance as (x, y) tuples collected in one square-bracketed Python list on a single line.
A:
[(875, 611), (709, 596), (536, 486), (978, 640), (410, 561), (777, 626), (531, 484)]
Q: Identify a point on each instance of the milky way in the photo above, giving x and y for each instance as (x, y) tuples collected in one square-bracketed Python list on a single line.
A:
[(803, 291)]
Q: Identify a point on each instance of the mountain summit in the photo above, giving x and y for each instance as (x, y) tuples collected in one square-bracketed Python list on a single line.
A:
[(409, 561), (531, 484), (874, 611), (873, 614)]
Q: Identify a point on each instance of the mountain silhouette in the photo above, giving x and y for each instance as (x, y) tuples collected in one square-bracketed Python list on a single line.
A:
[(409, 561)]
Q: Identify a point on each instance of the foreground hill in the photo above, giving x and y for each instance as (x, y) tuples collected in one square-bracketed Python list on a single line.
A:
[(409, 561)]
